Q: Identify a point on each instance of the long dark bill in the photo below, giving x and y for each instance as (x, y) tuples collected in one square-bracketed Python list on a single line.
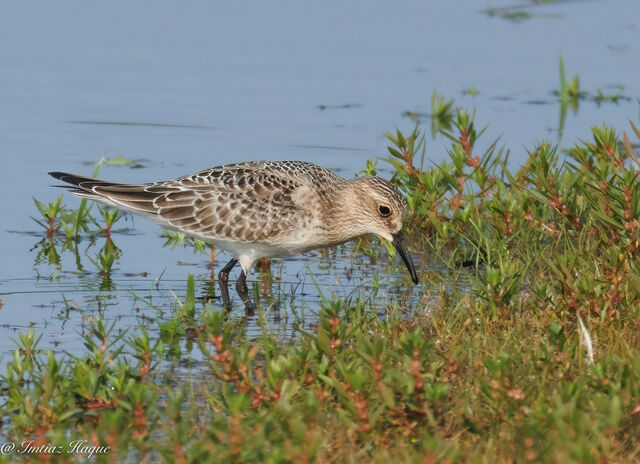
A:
[(401, 248)]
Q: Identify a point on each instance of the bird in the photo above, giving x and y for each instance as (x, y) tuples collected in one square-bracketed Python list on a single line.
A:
[(260, 209)]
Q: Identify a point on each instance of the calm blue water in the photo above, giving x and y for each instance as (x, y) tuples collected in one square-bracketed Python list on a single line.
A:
[(251, 79)]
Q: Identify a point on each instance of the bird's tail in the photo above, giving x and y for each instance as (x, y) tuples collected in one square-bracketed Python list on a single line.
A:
[(136, 198), (83, 186)]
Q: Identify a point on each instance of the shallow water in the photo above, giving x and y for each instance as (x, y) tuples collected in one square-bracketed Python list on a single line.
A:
[(188, 87)]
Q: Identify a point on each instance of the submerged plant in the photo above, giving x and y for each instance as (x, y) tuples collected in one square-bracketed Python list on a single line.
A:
[(441, 113), (50, 214), (110, 216), (106, 258), (175, 238), (569, 96), (601, 97)]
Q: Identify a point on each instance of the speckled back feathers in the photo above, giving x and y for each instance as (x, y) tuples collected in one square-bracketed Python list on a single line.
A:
[(290, 204)]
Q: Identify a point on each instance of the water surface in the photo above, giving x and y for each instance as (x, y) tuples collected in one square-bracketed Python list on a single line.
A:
[(184, 87)]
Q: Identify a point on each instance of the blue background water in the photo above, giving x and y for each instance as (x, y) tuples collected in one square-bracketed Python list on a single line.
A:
[(252, 78)]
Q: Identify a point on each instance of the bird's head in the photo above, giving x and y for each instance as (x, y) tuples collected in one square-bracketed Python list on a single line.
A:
[(377, 207)]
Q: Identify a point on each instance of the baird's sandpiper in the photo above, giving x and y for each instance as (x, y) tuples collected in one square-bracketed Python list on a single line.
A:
[(261, 209)]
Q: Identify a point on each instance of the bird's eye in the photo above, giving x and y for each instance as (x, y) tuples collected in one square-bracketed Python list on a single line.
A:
[(384, 210)]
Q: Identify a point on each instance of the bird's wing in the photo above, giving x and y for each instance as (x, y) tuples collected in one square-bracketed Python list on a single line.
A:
[(250, 202)]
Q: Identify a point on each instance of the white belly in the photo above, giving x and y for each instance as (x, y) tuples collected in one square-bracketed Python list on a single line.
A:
[(250, 252)]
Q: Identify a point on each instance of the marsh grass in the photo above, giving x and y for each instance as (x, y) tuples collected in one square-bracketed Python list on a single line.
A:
[(494, 368), (450, 383)]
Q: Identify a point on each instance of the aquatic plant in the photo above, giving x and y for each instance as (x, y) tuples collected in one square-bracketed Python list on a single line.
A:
[(50, 214)]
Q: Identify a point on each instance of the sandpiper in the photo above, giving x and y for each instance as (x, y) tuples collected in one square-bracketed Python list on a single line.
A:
[(261, 209)]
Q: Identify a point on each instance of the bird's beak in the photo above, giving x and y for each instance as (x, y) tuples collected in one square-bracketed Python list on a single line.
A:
[(401, 248)]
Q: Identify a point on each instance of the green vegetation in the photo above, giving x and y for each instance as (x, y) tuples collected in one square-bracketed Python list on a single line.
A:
[(473, 91), (70, 227), (441, 113), (569, 96), (519, 12), (601, 97), (519, 344)]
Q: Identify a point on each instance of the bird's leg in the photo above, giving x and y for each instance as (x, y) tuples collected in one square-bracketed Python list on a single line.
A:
[(243, 291), (223, 279)]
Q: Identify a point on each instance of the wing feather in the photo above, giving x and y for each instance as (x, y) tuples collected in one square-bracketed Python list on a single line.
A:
[(252, 201)]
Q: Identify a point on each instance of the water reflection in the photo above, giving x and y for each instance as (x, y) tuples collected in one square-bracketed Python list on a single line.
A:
[(84, 280)]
